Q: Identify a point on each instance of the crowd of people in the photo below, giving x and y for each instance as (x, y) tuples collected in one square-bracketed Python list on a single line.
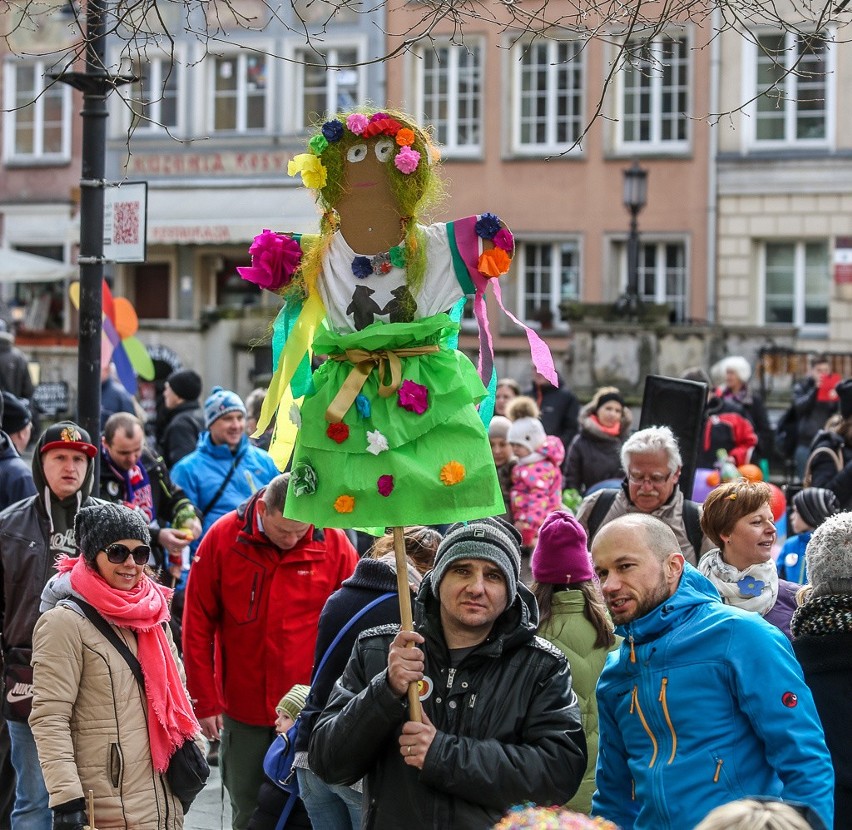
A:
[(607, 652)]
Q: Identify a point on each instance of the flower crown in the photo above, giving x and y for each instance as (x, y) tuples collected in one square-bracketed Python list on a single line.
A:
[(313, 171)]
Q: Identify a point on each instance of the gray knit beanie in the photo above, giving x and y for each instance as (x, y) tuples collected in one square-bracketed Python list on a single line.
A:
[(98, 526), (815, 505), (493, 540), (829, 556)]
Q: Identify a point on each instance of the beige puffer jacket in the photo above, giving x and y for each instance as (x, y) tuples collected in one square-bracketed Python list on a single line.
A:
[(89, 721)]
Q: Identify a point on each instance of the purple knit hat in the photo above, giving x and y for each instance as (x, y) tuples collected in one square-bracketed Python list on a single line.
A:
[(561, 556)]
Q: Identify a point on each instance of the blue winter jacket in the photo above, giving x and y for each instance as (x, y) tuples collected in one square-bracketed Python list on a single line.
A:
[(704, 704), (202, 472)]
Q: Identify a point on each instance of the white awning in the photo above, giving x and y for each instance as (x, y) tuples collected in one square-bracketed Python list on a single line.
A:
[(16, 266)]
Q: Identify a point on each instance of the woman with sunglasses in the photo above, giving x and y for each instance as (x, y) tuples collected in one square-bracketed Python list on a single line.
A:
[(95, 727)]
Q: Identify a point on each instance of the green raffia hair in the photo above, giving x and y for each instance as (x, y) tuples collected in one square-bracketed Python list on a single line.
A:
[(416, 194)]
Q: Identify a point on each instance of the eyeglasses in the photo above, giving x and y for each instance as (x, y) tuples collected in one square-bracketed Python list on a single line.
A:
[(118, 553), (655, 479)]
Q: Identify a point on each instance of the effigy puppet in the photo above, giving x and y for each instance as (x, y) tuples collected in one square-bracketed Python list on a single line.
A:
[(386, 431)]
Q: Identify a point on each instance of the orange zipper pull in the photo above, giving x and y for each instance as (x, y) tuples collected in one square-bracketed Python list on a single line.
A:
[(719, 763), (632, 650)]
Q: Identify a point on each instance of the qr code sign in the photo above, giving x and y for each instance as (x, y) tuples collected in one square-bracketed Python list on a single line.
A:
[(126, 223)]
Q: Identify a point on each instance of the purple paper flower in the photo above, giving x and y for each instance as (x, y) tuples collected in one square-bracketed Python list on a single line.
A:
[(504, 240), (378, 116), (750, 587), (487, 226), (385, 485), (361, 267), (413, 396), (406, 160), (274, 259), (332, 130)]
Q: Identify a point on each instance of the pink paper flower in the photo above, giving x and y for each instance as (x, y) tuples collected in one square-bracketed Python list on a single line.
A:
[(357, 123), (413, 396), (406, 160), (274, 259), (385, 485), (504, 239)]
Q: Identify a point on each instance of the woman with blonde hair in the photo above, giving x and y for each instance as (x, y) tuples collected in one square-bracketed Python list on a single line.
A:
[(761, 814), (594, 455), (737, 518)]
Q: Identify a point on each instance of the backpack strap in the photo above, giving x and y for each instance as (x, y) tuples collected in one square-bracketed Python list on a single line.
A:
[(692, 526), (601, 508)]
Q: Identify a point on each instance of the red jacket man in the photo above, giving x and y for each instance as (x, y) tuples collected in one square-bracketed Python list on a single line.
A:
[(253, 601)]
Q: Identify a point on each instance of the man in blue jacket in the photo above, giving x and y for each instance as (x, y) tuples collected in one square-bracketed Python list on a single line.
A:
[(704, 703)]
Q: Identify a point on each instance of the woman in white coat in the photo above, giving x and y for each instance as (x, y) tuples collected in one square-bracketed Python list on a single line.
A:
[(94, 726)]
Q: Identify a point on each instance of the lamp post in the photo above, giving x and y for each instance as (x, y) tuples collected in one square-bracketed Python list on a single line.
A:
[(635, 196)]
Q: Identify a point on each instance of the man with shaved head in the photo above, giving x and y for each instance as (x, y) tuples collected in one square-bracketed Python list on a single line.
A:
[(703, 703)]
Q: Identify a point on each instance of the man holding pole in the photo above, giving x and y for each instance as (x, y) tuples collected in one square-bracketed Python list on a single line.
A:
[(500, 723)]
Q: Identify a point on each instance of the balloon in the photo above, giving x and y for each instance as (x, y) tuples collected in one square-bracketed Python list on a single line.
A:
[(777, 501), (702, 484), (751, 472)]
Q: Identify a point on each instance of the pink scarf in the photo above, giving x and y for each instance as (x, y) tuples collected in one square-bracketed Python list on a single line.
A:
[(143, 609), (614, 430)]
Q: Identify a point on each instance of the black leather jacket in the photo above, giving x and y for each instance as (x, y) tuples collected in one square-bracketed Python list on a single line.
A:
[(508, 724)]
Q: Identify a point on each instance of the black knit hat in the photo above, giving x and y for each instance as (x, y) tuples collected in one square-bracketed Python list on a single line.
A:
[(98, 526), (186, 384), (815, 505), (493, 540), (15, 413), (844, 395)]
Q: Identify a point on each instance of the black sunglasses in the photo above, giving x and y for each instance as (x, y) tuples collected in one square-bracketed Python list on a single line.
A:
[(118, 553)]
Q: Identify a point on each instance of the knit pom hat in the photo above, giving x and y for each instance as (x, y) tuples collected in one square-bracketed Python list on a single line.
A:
[(14, 412), (294, 701), (844, 395), (221, 402), (529, 432), (492, 539), (828, 556), (561, 555), (815, 505), (498, 427), (186, 384), (98, 526)]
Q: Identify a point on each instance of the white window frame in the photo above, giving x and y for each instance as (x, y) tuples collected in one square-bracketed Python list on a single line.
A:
[(240, 57), (452, 147), (660, 294), (10, 115), (331, 47), (520, 267), (657, 144), (799, 288), (749, 91), (158, 65), (550, 146)]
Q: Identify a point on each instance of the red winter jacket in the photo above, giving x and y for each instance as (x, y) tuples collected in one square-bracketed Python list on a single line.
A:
[(251, 614)]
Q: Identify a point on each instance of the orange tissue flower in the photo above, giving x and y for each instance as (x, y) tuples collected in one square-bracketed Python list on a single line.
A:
[(344, 504), (452, 473), (405, 137), (494, 262)]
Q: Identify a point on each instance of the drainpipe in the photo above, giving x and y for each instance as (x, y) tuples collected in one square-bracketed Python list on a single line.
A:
[(712, 151)]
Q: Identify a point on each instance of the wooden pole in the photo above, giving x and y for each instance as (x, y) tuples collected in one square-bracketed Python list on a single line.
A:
[(92, 824), (405, 613)]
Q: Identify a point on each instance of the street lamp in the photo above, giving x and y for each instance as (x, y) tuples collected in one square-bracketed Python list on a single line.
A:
[(635, 196)]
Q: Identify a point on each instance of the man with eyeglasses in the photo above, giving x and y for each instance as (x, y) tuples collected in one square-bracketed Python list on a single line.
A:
[(652, 463), (33, 533)]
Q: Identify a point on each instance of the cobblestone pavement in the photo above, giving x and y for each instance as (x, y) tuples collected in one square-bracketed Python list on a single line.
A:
[(210, 811)]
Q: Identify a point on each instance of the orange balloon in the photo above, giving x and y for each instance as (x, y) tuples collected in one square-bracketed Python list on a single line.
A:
[(751, 472), (777, 501), (713, 478)]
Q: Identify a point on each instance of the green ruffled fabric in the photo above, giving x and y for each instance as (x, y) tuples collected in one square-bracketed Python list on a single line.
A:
[(420, 445)]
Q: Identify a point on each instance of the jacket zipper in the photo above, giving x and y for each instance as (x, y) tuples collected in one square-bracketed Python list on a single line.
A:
[(632, 650), (716, 774), (253, 592), (635, 707), (451, 673), (662, 699)]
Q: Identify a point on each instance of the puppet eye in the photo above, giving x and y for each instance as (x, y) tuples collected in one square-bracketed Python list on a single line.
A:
[(356, 153), (384, 149)]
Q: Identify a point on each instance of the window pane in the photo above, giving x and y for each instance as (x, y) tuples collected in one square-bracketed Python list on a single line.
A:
[(817, 283), (225, 114), (780, 282), (255, 70), (452, 94), (810, 87)]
